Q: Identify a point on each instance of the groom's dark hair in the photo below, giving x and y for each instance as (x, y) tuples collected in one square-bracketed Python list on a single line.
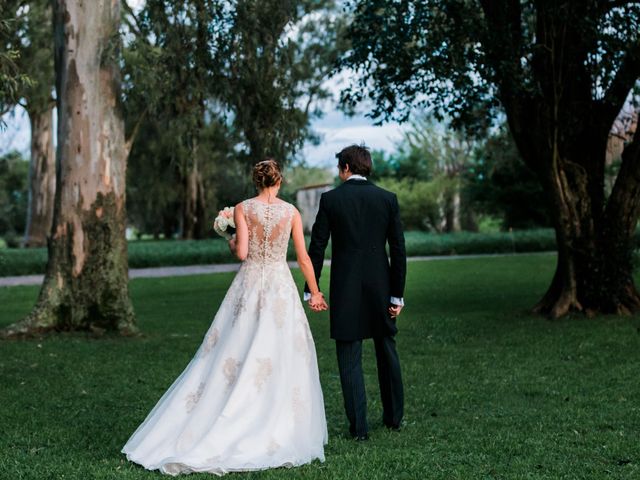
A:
[(357, 157)]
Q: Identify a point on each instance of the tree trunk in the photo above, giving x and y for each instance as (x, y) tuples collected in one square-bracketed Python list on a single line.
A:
[(194, 221), (562, 134), (561, 130), (594, 271), (617, 237), (42, 179), (85, 285), (567, 184), (451, 206)]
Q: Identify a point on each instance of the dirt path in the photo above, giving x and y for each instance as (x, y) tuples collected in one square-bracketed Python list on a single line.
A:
[(227, 267)]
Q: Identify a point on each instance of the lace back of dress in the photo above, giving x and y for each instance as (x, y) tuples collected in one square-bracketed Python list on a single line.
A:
[(269, 230)]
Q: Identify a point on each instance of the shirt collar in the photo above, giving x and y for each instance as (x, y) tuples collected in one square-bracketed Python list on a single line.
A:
[(355, 176)]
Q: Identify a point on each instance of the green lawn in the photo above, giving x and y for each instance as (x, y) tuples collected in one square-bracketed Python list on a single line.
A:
[(492, 392)]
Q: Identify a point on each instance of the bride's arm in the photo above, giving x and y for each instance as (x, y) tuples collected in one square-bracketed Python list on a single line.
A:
[(304, 261), (239, 245)]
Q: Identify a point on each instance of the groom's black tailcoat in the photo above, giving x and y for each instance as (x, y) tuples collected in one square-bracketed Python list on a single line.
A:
[(361, 219)]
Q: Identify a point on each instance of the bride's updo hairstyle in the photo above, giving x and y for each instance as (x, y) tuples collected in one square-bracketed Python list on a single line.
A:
[(266, 174)]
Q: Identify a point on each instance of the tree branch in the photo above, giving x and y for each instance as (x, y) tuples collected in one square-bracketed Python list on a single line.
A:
[(135, 26), (504, 28), (623, 207), (618, 4), (134, 133), (623, 82)]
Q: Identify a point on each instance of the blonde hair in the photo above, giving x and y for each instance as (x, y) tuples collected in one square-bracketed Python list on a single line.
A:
[(266, 174)]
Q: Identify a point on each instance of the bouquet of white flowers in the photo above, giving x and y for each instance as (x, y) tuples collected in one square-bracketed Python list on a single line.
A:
[(224, 225)]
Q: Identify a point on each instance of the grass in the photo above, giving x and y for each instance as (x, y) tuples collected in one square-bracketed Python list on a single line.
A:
[(158, 253), (491, 391)]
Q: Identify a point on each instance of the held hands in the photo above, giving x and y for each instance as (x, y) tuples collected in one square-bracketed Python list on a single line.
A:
[(394, 310), (317, 303)]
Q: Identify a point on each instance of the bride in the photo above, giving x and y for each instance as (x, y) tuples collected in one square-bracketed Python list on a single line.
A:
[(250, 398)]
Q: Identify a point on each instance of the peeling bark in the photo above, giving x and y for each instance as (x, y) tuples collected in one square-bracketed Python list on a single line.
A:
[(42, 179), (86, 285)]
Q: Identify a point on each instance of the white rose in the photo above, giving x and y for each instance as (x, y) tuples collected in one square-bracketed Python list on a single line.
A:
[(229, 216), (223, 223)]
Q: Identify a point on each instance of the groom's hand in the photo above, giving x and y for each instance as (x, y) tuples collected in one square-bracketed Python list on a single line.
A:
[(394, 310)]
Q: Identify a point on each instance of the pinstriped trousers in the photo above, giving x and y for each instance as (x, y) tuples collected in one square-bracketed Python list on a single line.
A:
[(352, 381)]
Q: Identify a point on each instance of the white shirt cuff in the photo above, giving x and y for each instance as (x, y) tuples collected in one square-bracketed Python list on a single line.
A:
[(397, 301), (394, 300)]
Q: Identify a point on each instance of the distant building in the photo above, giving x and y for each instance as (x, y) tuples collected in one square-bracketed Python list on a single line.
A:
[(308, 200)]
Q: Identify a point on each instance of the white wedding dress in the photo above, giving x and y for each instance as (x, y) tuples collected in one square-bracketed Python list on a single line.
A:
[(250, 398)]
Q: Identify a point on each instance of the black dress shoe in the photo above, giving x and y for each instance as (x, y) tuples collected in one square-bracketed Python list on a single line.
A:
[(360, 438), (392, 427)]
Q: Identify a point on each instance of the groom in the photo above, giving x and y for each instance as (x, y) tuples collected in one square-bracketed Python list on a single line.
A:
[(366, 287)]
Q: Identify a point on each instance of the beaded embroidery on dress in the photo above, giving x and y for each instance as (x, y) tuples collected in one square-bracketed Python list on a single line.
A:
[(250, 398)]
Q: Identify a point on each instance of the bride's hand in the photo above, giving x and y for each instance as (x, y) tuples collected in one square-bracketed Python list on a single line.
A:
[(232, 244), (317, 302)]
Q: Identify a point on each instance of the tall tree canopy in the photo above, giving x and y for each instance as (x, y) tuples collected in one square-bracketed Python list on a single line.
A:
[(211, 72), (276, 58), (560, 70), (169, 79)]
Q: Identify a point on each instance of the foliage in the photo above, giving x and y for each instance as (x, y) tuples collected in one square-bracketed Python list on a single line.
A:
[(419, 201), (154, 179), (500, 184), (14, 197), (32, 38), (301, 175), (428, 171), (490, 391), (276, 58), (168, 79), (215, 86), (432, 164), (12, 79), (450, 55), (170, 48), (560, 71), (153, 184), (262, 63), (426, 150)]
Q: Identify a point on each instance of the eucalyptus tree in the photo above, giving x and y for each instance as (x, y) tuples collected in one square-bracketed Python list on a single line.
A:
[(276, 59), (561, 70), (169, 81), (85, 284), (32, 37), (254, 69)]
